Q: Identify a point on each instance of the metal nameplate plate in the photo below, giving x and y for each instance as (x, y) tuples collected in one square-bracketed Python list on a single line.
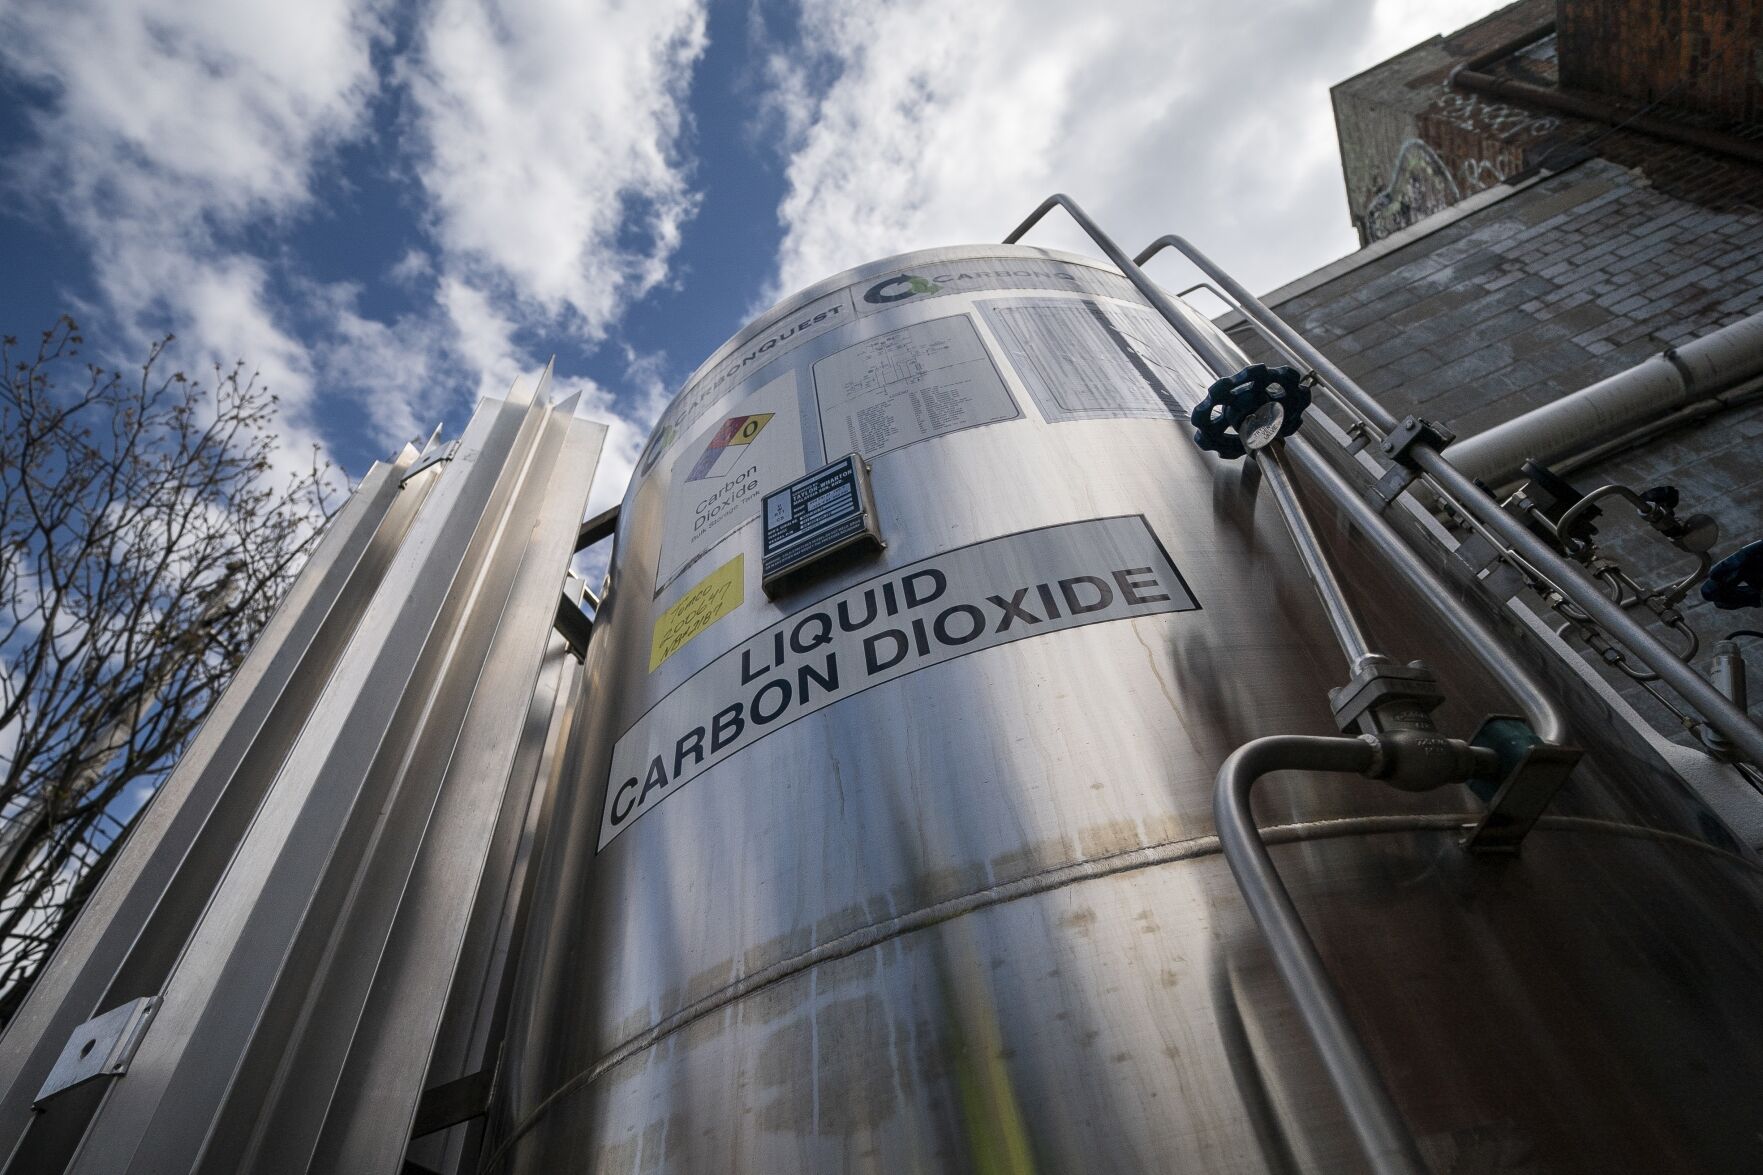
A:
[(828, 511)]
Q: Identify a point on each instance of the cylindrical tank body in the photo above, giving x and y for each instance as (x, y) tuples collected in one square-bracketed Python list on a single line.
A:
[(912, 867)]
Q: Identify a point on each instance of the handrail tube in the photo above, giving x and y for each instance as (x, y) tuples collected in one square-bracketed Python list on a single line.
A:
[(1476, 502), (1253, 308), (1371, 1111), (1209, 353), (1542, 714), (1539, 710), (1349, 633)]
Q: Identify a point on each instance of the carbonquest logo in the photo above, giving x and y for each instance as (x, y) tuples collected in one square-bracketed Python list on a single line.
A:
[(901, 286), (898, 289)]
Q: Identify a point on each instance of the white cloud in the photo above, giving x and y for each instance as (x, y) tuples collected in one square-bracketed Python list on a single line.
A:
[(171, 125), (484, 341), (172, 131), (552, 155), (947, 123), (225, 102)]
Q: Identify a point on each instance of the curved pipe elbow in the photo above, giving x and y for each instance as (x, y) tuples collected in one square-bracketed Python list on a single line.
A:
[(1389, 1147)]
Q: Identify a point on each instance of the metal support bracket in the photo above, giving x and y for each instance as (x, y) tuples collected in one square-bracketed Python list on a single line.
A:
[(1477, 554), (1358, 434), (1488, 563), (1389, 487), (1384, 696), (599, 527), (1412, 431), (453, 1102), (101, 1047), (435, 457), (1531, 772), (574, 625)]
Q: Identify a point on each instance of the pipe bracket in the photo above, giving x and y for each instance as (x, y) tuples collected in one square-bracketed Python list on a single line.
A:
[(1384, 697), (1412, 431), (1530, 772)]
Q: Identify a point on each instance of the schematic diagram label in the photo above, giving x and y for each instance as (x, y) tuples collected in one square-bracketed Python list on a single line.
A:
[(910, 618), (909, 385), (1082, 359)]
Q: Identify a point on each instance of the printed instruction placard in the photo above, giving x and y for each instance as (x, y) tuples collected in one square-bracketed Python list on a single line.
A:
[(908, 385)]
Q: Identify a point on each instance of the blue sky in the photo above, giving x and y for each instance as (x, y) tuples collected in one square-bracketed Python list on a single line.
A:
[(391, 208)]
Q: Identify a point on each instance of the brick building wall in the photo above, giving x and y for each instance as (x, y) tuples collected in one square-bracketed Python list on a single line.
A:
[(1704, 56), (1411, 145), (1416, 139)]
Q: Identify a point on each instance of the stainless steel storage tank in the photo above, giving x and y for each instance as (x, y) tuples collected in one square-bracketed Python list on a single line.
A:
[(912, 867)]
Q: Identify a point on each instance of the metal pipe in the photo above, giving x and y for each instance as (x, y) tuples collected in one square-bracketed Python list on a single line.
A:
[(1208, 351), (1620, 113), (1275, 326), (1738, 397), (1729, 673), (1372, 1113), (1540, 711), (1347, 629), (1480, 506), (1699, 370), (1578, 587)]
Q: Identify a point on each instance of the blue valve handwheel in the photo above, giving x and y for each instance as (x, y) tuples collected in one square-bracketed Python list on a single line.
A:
[(1218, 419)]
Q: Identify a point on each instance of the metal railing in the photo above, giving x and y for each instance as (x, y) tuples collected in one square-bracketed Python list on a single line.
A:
[(1510, 535), (1377, 1124)]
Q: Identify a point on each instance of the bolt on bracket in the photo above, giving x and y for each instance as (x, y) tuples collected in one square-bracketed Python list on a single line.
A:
[(1415, 430), (101, 1047)]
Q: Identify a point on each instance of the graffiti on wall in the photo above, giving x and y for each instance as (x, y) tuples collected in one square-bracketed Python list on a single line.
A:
[(1420, 185), (1483, 116), (1461, 144)]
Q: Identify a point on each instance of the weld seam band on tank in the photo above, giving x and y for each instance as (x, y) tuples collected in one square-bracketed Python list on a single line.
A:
[(1125, 861)]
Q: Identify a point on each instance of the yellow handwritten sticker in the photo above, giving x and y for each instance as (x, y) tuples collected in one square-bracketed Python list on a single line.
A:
[(719, 594)]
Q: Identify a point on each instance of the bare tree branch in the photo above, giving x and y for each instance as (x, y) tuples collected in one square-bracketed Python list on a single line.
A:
[(146, 535)]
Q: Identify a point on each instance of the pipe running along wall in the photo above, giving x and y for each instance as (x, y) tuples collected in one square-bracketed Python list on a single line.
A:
[(1609, 409)]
